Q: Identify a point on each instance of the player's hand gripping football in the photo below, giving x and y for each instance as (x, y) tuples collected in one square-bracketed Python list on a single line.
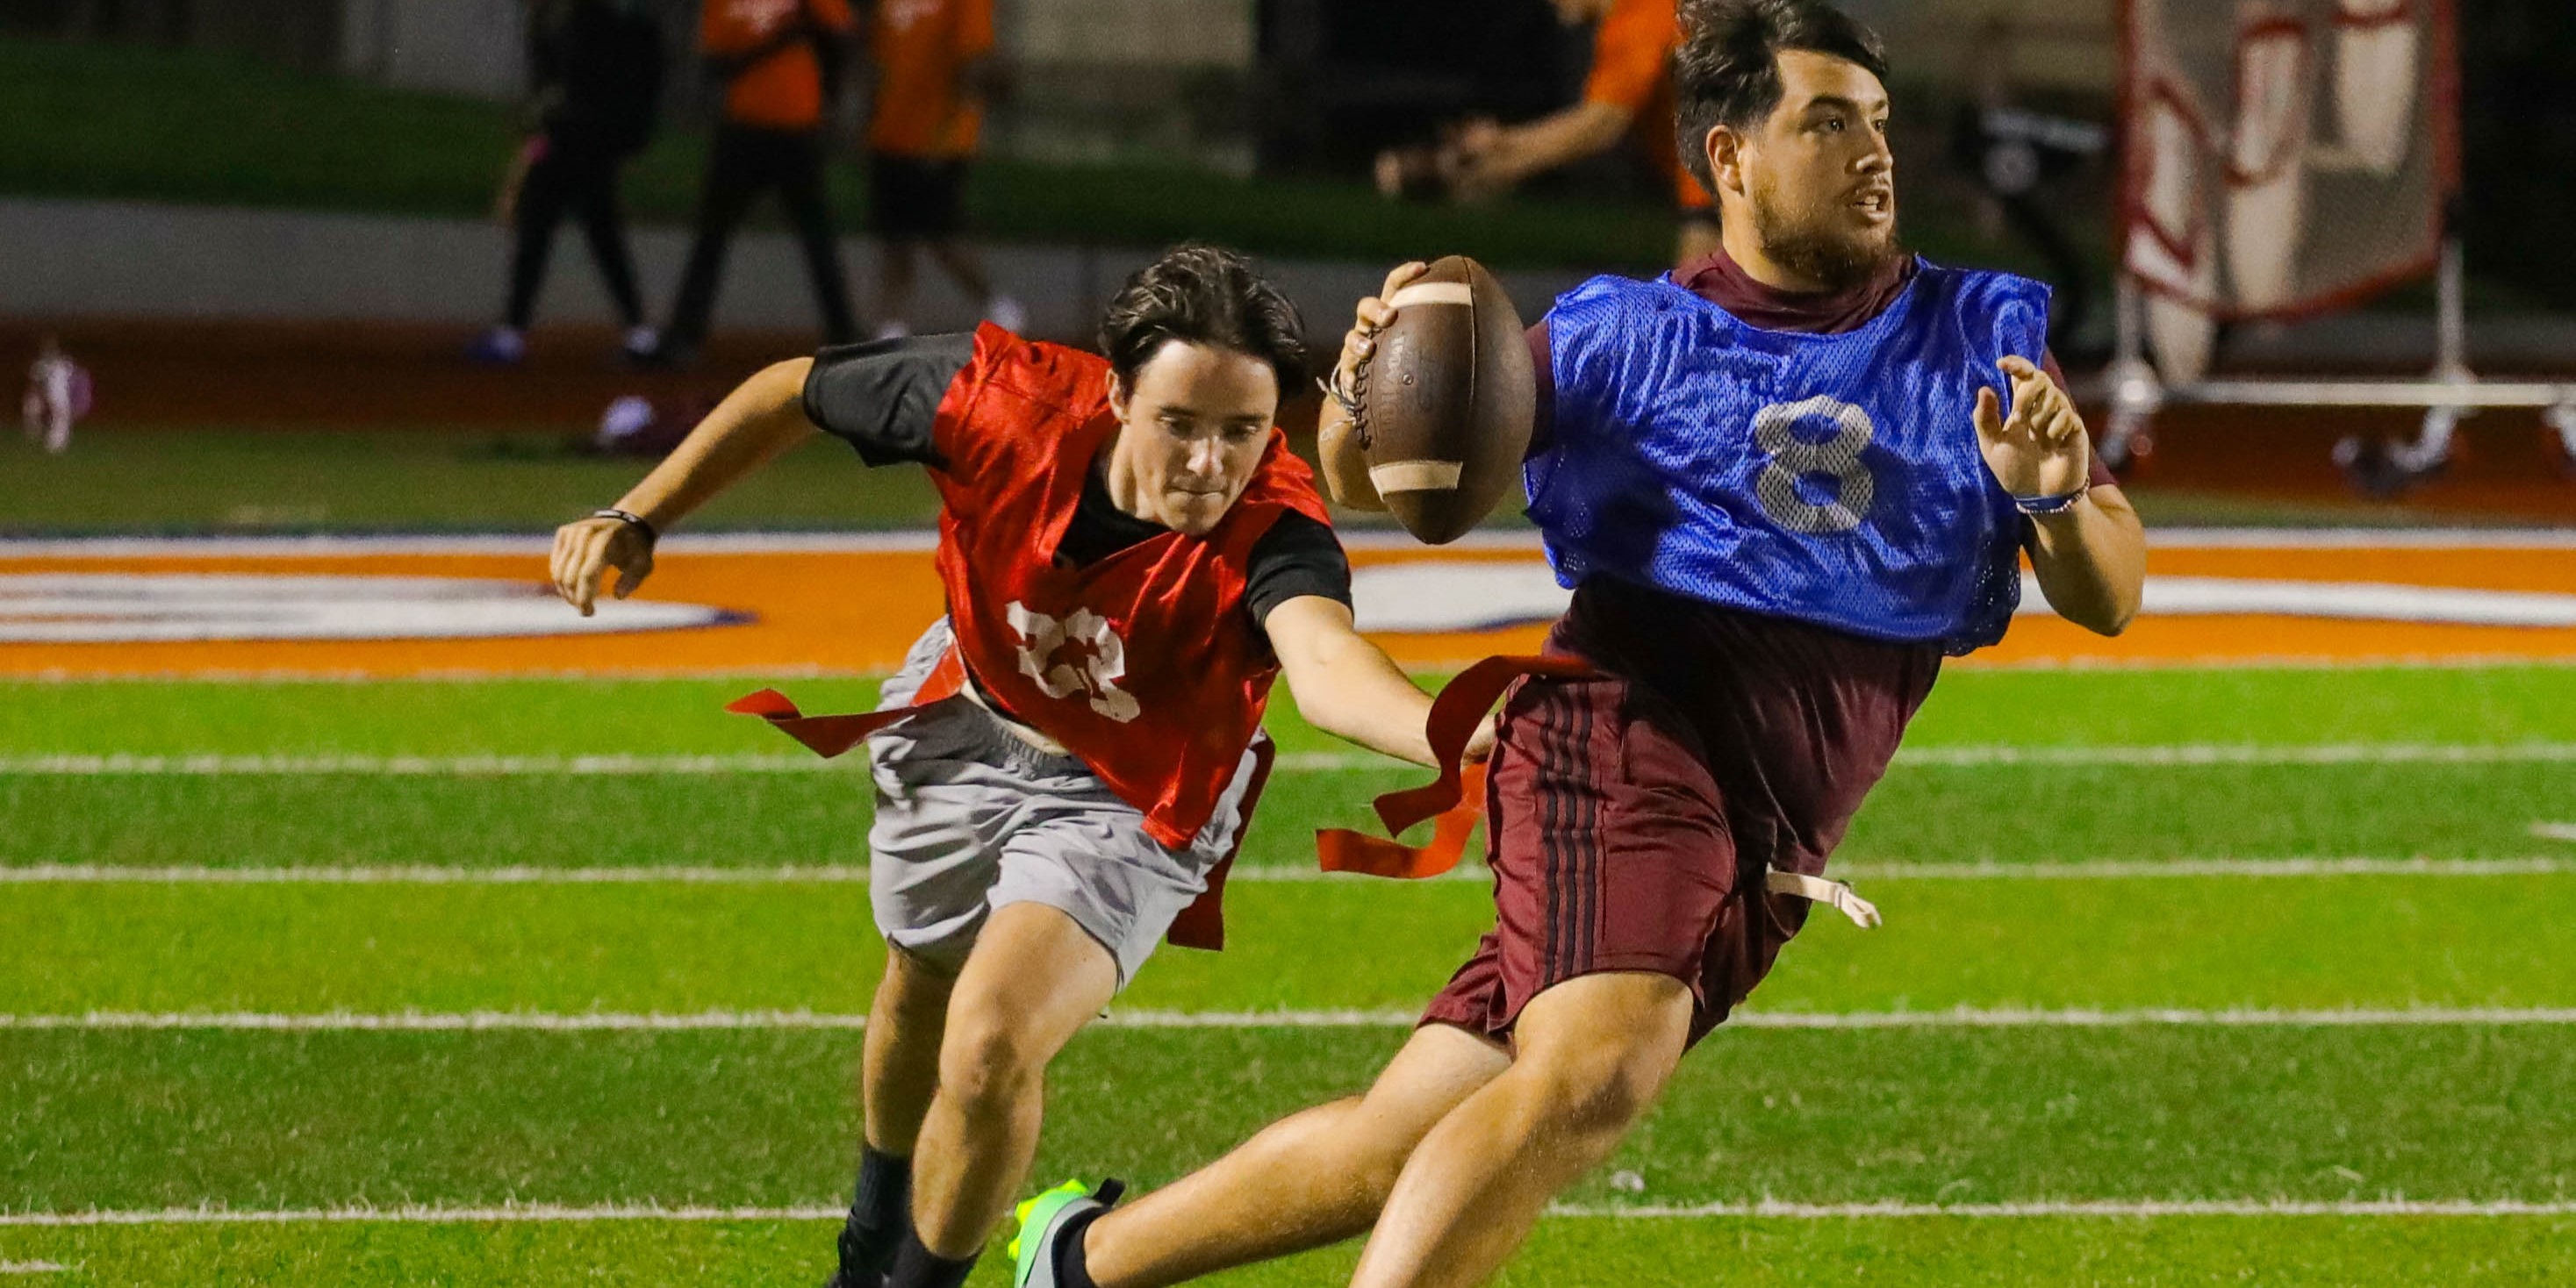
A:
[(2040, 448), (1345, 459), (586, 549), (1374, 313)]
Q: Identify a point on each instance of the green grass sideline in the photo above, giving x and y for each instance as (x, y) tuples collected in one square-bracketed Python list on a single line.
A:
[(2256, 706), (2303, 1252), (2313, 943), (256, 1120), (2010, 814)]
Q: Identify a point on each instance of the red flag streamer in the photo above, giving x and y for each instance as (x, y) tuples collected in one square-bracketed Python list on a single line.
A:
[(829, 736), (1457, 797)]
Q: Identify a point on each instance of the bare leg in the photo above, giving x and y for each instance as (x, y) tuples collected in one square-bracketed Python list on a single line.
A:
[(1034, 979), (901, 1069), (1593, 1053), (965, 267), (1315, 1178)]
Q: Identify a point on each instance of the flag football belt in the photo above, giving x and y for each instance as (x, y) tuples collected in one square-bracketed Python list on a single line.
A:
[(1453, 803), (1036, 741)]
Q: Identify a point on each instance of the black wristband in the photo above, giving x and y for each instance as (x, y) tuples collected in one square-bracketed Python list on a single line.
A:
[(635, 521)]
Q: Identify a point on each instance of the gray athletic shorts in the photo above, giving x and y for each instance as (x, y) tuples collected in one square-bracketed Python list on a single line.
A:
[(971, 818)]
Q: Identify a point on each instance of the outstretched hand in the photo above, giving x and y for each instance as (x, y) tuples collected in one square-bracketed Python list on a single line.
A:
[(2040, 448), (586, 549)]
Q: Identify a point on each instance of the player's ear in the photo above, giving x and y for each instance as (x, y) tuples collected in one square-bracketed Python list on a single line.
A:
[(1117, 395), (1725, 149)]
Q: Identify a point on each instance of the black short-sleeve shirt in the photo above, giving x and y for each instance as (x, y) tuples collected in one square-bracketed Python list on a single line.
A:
[(883, 397)]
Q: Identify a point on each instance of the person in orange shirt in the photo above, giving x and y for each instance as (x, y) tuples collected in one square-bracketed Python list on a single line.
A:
[(778, 60), (934, 62), (1628, 95)]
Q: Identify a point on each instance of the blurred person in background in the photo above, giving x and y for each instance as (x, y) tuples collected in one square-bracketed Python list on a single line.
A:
[(1628, 95), (595, 79), (934, 64), (780, 62), (58, 395)]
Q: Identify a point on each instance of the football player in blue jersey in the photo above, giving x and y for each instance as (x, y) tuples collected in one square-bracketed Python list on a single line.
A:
[(1784, 483)]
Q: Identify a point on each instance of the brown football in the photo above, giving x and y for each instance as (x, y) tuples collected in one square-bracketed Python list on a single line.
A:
[(1446, 401)]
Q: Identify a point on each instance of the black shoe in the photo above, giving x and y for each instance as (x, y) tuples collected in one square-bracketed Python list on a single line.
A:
[(867, 1258)]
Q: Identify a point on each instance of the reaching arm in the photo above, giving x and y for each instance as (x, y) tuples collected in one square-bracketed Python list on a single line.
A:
[(2091, 559), (1345, 685), (762, 418), (1493, 160)]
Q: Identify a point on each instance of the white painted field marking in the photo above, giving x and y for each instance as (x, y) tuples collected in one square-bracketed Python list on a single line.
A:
[(1261, 874), (121, 765), (720, 1020), (31, 1267), (2152, 869), (2343, 753), (422, 1215), (1967, 756), (1780, 1210), (403, 874), (1428, 595), (1767, 1209), (117, 607), (2554, 831)]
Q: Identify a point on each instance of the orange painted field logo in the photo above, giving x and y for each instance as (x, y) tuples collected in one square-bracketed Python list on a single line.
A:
[(771, 606)]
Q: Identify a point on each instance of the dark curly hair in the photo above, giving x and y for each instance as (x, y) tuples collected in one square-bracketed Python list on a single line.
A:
[(1726, 70), (1208, 295)]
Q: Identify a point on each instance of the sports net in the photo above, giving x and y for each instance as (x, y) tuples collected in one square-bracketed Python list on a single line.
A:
[(2282, 157)]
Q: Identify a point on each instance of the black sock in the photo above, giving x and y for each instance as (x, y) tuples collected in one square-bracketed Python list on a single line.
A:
[(916, 1266), (1071, 1270), (880, 1213)]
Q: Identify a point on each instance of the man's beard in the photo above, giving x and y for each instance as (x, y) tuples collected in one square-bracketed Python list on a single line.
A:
[(1808, 248)]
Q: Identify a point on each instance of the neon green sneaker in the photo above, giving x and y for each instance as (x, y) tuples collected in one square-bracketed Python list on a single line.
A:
[(1043, 1220)]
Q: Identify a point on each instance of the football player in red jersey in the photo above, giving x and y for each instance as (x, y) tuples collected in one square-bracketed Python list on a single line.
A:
[(1130, 554)]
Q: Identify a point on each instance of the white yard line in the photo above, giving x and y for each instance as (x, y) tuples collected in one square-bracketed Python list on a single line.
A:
[(30, 1267), (404, 874), (2149, 869), (2351, 753), (1266, 874), (85, 766), (1967, 756), (1780, 1210), (2554, 831), (422, 1215), (1767, 1209), (720, 1020)]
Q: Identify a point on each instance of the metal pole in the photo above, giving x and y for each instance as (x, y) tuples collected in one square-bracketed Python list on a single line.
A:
[(2136, 392), (2452, 342), (2432, 445)]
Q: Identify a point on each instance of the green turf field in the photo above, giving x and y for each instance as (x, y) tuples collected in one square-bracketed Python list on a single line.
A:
[(227, 479), (2254, 948)]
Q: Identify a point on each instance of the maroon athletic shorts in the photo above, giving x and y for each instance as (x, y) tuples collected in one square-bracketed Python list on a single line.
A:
[(1612, 850)]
